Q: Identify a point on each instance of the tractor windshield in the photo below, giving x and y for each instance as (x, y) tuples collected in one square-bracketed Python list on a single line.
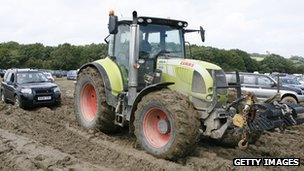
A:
[(156, 40)]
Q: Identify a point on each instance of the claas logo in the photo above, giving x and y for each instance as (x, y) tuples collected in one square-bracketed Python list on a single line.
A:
[(187, 63)]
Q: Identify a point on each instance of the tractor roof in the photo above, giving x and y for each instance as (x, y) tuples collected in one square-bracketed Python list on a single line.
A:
[(152, 20)]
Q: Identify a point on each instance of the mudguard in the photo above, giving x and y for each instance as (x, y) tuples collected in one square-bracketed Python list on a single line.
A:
[(111, 95), (142, 93)]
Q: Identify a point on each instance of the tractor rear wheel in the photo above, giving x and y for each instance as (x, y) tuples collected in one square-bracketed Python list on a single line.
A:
[(91, 109), (166, 124)]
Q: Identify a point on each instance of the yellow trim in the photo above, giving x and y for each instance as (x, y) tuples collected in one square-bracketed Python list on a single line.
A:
[(113, 73)]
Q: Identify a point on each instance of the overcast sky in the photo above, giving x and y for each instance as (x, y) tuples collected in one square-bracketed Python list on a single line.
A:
[(276, 26)]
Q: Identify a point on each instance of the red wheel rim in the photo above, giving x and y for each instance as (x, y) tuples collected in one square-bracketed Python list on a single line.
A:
[(88, 102), (157, 128)]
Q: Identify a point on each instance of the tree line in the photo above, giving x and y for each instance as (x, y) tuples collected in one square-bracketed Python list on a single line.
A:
[(64, 57), (67, 57)]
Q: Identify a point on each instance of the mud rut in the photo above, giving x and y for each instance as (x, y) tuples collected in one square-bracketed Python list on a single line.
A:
[(50, 139)]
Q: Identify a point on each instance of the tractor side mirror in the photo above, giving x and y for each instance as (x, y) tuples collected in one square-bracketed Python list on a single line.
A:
[(113, 24), (202, 31), (107, 39)]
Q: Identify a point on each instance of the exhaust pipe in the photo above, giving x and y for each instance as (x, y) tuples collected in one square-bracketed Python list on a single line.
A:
[(133, 57)]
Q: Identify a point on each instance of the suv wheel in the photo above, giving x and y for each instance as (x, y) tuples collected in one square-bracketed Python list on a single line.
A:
[(2, 97), (18, 102), (289, 100)]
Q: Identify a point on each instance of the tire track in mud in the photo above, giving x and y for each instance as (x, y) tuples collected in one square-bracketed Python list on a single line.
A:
[(50, 128), (85, 146), (21, 153)]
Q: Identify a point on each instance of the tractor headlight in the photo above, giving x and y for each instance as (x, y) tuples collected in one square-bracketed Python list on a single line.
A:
[(140, 20), (26, 91), (149, 20), (198, 83), (57, 89)]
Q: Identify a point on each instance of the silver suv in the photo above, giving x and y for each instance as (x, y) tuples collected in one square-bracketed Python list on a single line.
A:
[(265, 87)]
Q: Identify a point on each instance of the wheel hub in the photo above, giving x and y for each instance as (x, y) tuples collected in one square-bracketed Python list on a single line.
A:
[(163, 126), (157, 127)]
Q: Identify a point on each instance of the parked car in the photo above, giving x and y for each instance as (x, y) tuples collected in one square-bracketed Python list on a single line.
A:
[(64, 73), (57, 74), (72, 75), (49, 76), (264, 87), (292, 82), (27, 88), (300, 79)]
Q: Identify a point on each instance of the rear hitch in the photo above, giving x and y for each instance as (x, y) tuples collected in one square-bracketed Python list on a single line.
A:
[(258, 117)]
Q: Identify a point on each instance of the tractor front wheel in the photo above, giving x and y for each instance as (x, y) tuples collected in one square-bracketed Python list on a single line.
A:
[(166, 124), (91, 109)]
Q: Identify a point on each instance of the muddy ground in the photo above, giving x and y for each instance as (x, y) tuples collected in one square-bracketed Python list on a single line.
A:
[(50, 139)]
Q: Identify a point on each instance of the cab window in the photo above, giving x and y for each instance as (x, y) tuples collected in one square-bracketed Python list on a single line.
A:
[(155, 39), (173, 42), (122, 41)]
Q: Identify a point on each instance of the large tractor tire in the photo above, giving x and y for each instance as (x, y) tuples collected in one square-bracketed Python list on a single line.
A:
[(91, 109), (166, 124)]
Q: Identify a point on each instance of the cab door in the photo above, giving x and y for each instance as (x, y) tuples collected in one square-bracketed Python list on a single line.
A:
[(120, 50), (149, 44)]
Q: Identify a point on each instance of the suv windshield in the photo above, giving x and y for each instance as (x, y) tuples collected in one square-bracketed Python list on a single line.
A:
[(30, 77), (155, 39)]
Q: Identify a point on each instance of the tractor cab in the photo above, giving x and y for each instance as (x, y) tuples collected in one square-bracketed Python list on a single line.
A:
[(154, 38)]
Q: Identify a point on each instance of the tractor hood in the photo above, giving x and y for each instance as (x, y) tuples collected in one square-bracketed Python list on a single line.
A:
[(189, 64), (192, 77)]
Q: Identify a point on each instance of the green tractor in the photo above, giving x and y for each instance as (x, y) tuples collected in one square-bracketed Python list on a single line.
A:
[(147, 84)]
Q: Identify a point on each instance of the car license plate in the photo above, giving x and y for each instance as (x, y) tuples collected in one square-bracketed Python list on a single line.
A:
[(45, 98)]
